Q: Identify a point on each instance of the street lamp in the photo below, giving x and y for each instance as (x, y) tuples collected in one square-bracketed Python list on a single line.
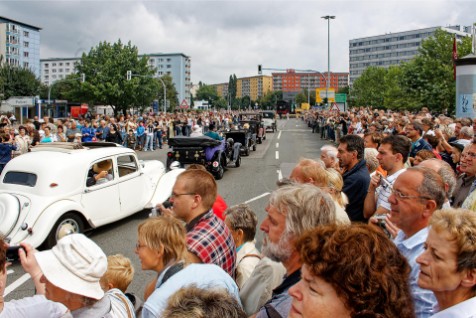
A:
[(328, 18)]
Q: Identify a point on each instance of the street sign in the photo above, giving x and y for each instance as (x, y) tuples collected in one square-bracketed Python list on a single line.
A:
[(21, 101), (335, 108), (184, 105), (341, 98)]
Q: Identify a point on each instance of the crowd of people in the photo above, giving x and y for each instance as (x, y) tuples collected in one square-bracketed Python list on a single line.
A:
[(383, 225)]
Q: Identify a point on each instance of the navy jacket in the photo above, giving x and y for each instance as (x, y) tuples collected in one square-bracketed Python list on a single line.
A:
[(356, 184)]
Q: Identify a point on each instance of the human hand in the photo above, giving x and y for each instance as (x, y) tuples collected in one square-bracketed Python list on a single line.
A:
[(28, 260), (164, 211), (391, 227), (375, 181)]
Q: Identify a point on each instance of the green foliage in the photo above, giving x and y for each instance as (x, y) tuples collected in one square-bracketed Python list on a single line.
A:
[(105, 68), (206, 92), (426, 80), (17, 81), (269, 100)]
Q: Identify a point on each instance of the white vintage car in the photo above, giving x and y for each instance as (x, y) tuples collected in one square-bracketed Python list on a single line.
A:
[(48, 192)]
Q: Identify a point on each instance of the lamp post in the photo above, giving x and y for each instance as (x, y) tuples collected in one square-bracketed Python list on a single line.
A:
[(328, 18)]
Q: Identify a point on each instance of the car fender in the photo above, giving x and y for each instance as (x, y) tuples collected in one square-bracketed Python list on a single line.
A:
[(164, 187), (46, 220)]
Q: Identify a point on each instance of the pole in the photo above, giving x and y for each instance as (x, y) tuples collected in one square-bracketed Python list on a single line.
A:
[(328, 18), (165, 95)]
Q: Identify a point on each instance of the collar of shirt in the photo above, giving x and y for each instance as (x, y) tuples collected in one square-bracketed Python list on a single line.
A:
[(197, 219), (412, 241)]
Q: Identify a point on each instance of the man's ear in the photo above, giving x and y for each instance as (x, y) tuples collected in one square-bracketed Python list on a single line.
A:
[(430, 207)]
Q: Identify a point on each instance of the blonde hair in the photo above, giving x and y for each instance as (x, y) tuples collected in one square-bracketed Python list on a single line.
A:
[(165, 233), (311, 169), (460, 224), (336, 183), (120, 272)]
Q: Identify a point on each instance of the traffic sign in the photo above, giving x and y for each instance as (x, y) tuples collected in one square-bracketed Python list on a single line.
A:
[(334, 108), (22, 101), (184, 105)]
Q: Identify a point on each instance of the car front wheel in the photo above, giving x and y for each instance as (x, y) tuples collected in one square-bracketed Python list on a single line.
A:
[(69, 223)]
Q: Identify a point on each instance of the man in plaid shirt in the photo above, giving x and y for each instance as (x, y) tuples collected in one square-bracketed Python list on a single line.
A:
[(208, 238)]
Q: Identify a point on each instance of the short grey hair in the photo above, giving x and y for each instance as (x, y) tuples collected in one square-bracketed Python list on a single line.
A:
[(432, 186), (467, 131), (370, 156), (305, 206), (446, 173), (242, 217), (330, 150)]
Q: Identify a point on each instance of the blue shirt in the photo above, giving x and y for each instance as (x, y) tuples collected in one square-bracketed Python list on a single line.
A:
[(420, 144), (202, 275), (412, 247), (140, 131), (88, 134), (6, 152)]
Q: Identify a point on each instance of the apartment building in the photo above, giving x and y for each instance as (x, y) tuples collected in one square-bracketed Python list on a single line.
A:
[(391, 48), (252, 86), (177, 65), (20, 44), (294, 82)]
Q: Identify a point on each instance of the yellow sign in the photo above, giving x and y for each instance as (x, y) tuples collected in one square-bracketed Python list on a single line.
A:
[(321, 94)]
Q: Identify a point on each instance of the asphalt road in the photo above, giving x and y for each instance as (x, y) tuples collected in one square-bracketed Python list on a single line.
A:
[(251, 183)]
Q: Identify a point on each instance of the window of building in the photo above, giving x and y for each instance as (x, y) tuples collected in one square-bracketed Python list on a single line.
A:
[(26, 64), (54, 76), (47, 76), (26, 54), (26, 44), (169, 66), (60, 70), (26, 33), (46, 65), (169, 59), (60, 64), (66, 70), (53, 64), (53, 70), (46, 71), (67, 63)]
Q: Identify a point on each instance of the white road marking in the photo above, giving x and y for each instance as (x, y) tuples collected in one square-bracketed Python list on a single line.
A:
[(280, 174), (277, 145), (20, 281), (279, 135), (257, 198), (277, 155)]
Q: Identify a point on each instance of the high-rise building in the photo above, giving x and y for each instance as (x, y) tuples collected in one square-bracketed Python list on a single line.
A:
[(20, 44), (177, 65), (252, 86), (391, 48)]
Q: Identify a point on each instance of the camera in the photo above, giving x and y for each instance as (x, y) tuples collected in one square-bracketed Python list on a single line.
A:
[(12, 253)]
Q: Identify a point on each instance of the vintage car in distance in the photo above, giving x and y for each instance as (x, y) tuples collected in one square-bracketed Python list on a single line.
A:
[(206, 151), (269, 119), (255, 124), (244, 138), (52, 190)]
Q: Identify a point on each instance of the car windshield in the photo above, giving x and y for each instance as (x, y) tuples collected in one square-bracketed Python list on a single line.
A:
[(21, 178), (268, 115)]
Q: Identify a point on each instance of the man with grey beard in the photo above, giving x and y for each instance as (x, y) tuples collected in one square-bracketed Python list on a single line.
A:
[(292, 210)]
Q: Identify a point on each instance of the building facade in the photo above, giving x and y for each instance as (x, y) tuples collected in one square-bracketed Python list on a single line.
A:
[(253, 86), (391, 49), (20, 44), (177, 65), (293, 82)]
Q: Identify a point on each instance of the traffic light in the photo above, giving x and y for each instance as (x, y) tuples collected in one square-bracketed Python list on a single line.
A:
[(83, 77), (259, 69), (129, 75)]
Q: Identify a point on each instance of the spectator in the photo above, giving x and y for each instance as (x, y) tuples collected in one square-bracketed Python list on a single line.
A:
[(371, 161), (131, 140), (448, 263), (414, 131), (212, 132), (242, 221), (141, 135), (291, 211), (114, 135), (329, 156), (48, 137), (331, 254), (115, 281), (6, 148), (72, 131), (22, 141), (416, 194), (355, 174), (392, 155), (196, 131), (162, 247), (446, 173), (457, 148), (334, 188), (88, 133), (372, 140), (60, 135), (194, 302), (423, 155), (467, 176)]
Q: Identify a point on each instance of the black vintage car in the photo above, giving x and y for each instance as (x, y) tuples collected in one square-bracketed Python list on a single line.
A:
[(213, 154), (255, 123), (244, 138)]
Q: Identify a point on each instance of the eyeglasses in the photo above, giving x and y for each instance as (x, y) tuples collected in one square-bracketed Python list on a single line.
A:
[(139, 246), (400, 196), (174, 195), (469, 155)]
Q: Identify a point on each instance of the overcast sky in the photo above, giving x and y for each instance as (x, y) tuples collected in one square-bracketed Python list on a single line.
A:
[(226, 37)]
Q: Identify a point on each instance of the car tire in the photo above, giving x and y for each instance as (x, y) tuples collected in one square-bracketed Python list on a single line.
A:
[(68, 222), (238, 162), (220, 172)]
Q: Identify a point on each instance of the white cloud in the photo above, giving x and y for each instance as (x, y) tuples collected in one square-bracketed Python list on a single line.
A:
[(226, 37)]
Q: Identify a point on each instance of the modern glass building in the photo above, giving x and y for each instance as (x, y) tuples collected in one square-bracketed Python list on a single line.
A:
[(20, 44), (391, 48)]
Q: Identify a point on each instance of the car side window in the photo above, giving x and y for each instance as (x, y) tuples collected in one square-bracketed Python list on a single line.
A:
[(126, 165), (100, 172)]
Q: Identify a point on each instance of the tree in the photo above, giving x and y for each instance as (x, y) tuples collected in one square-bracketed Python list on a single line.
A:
[(428, 78), (17, 81), (105, 67), (206, 92), (369, 88)]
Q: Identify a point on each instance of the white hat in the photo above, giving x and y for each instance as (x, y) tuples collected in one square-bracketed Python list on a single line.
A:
[(75, 264)]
